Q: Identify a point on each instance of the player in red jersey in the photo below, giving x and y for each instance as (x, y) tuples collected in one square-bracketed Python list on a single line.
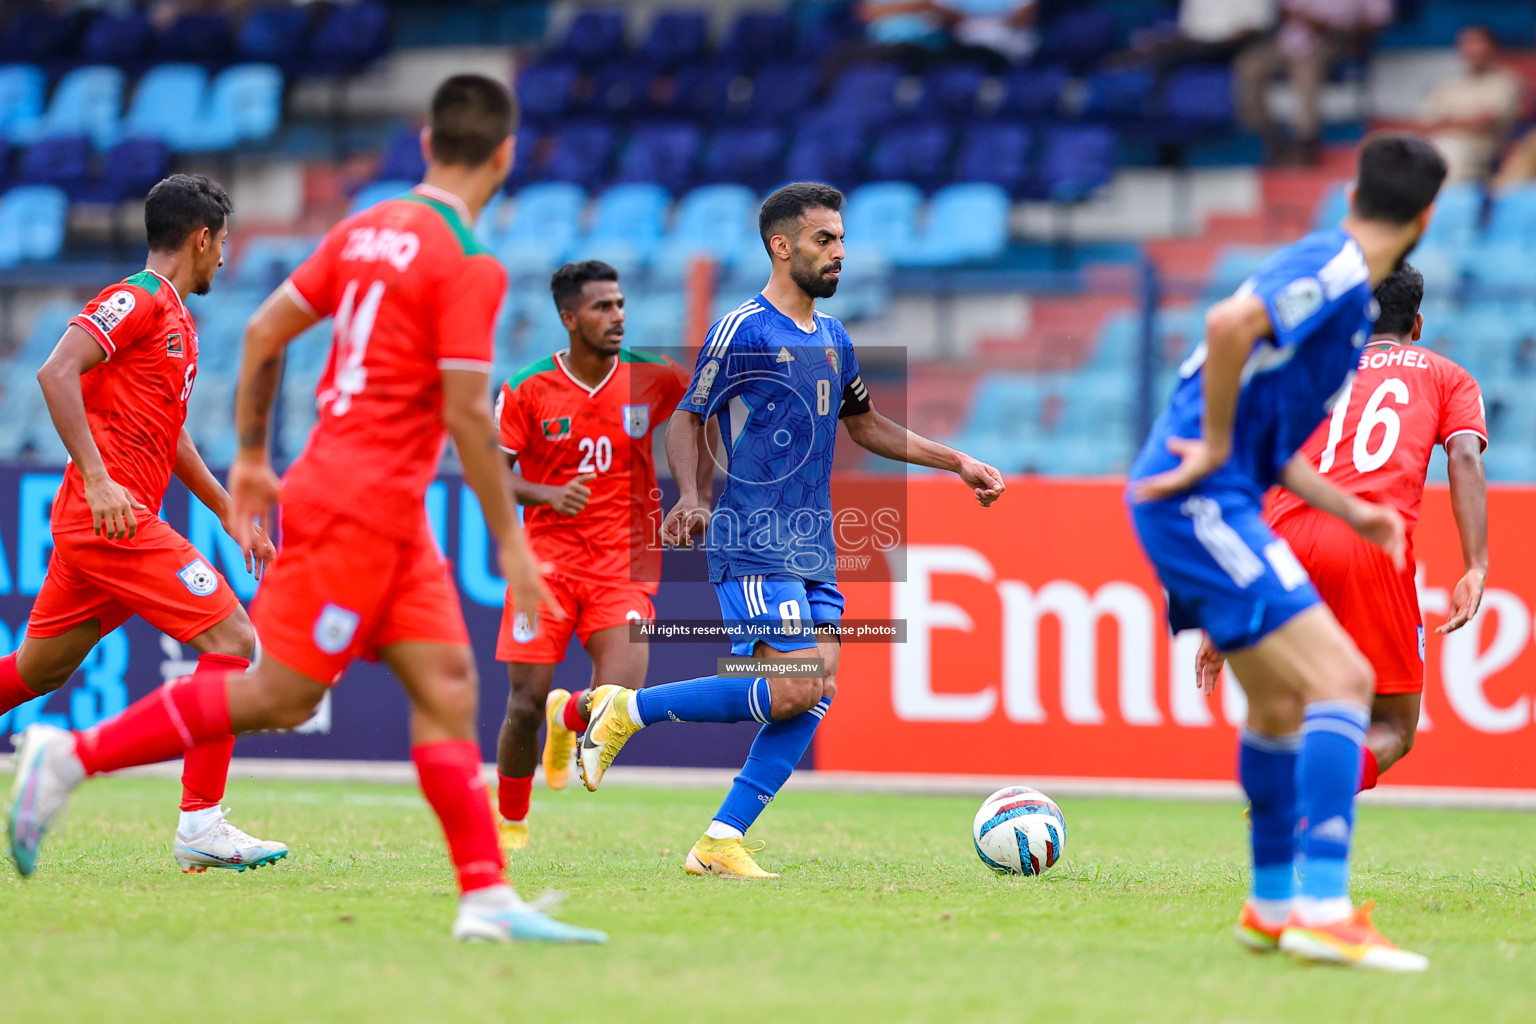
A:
[(579, 426), (117, 386), (1403, 403), (413, 299)]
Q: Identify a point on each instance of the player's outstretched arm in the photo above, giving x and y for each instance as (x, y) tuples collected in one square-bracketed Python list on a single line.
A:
[(885, 437), (1379, 524), (467, 415), (1231, 327), (192, 471), (112, 507), (687, 451), (1469, 504), (253, 484)]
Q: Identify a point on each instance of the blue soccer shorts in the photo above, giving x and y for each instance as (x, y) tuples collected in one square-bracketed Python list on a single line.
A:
[(781, 610), (1223, 569)]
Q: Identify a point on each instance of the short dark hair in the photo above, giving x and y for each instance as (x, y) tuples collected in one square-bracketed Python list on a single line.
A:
[(180, 205), (568, 282), (789, 204), (1399, 176), (471, 116), (1399, 297)]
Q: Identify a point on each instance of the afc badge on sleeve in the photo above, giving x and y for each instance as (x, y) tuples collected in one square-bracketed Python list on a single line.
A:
[(637, 420), (198, 577), (335, 628)]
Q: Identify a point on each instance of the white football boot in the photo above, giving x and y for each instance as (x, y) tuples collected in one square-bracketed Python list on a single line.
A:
[(222, 845), (47, 771)]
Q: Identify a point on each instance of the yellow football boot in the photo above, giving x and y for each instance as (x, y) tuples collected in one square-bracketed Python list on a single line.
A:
[(609, 728), (513, 834), (725, 858), (559, 742)]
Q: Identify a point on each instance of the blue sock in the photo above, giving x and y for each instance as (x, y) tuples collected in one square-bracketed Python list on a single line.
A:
[(1327, 776), (707, 699), (1266, 766), (778, 748)]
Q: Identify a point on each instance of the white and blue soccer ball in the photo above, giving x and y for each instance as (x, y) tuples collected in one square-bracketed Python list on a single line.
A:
[(1019, 831)]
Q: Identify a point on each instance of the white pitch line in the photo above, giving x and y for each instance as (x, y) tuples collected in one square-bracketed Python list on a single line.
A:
[(403, 773)]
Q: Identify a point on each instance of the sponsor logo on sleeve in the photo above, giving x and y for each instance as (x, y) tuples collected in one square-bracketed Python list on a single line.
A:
[(557, 429), (706, 381), (637, 420), (198, 577), (334, 628), (113, 311), (1298, 301)]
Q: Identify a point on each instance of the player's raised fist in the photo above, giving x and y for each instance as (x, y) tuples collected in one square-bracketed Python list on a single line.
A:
[(573, 497), (112, 509), (985, 480), (688, 519)]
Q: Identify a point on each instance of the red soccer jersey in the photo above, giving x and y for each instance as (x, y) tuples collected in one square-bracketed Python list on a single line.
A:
[(411, 292), (135, 401), (1377, 443), (559, 429)]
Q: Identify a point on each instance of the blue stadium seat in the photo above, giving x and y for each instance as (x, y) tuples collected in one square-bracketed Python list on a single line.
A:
[(348, 37), (1512, 219), (1500, 271), (167, 103), (202, 36), (864, 289), (826, 147), (39, 36), (86, 102), (1234, 265), (621, 90), (715, 220), (1033, 94), (372, 195), (545, 223), (544, 89), (22, 87), (675, 38), (47, 328), (883, 215), (121, 38), (1118, 94), (748, 156), (402, 159), (245, 107), (274, 35), (63, 161), (1079, 38), (266, 260), (952, 91), (702, 93), (1005, 405), (664, 154), (128, 171), (998, 153), (1076, 161), (1198, 99), (594, 36), (1334, 205), (758, 37), (781, 93), (576, 152), (1458, 210), (654, 320), (526, 158), (866, 93), (918, 153), (965, 223), (31, 224), (628, 221)]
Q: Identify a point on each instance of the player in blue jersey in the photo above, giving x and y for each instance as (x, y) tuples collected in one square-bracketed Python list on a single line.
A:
[(1275, 357), (779, 376)]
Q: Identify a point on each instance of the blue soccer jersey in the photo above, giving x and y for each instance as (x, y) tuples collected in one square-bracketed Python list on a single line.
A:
[(1318, 293), (778, 392)]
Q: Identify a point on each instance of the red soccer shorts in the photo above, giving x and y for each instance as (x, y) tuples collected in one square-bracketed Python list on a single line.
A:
[(340, 591), (1375, 602), (588, 608), (157, 575)]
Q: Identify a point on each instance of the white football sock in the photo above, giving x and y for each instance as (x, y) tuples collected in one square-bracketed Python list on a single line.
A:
[(192, 823), (720, 830), (1313, 911), (493, 899), (1272, 911), (634, 709)]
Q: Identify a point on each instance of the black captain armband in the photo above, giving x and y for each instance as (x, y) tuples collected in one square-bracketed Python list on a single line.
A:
[(855, 399)]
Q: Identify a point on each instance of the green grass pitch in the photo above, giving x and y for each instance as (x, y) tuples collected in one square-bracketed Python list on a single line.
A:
[(883, 914)]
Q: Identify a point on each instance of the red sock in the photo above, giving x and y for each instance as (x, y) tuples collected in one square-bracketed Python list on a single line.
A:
[(205, 769), (575, 718), (1370, 771), (450, 780), (512, 796), (13, 692), (180, 714)]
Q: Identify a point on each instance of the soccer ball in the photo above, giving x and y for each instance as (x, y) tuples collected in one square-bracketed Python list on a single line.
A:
[(1019, 831)]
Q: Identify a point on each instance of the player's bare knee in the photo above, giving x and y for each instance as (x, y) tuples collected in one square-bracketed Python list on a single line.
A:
[(792, 697), (828, 687), (234, 637), (525, 710)]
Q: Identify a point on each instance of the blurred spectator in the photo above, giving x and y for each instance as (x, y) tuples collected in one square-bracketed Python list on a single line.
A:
[(1469, 116), (996, 30), (903, 29), (1312, 35), (1207, 32), (916, 34)]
